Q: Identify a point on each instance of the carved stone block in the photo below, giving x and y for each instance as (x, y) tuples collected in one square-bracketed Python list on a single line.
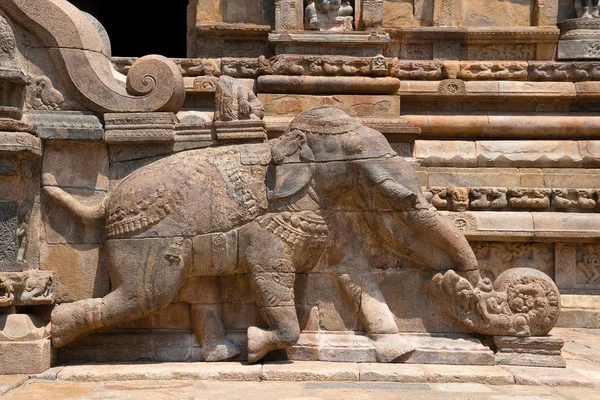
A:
[(437, 196), (31, 287), (488, 199), (542, 351), (565, 265), (140, 127), (579, 39), (496, 257), (9, 244), (438, 153), (76, 125), (17, 142), (588, 266), (574, 199), (34, 357), (523, 198), (493, 70), (459, 199)]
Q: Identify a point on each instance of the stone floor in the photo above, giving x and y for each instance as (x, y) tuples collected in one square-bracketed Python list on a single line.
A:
[(311, 380)]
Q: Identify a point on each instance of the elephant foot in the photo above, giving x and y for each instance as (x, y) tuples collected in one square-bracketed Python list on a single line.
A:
[(389, 347), (220, 351), (260, 343), (72, 320)]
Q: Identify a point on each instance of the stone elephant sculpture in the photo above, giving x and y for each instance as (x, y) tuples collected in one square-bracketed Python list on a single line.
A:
[(262, 209)]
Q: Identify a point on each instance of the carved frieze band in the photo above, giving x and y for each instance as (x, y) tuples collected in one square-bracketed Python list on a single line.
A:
[(25, 288), (382, 66), (574, 266), (461, 199)]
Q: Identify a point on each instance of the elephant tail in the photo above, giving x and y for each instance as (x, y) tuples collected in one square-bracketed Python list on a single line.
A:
[(88, 214)]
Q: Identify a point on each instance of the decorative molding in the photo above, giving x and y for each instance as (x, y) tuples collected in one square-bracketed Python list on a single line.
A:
[(154, 83)]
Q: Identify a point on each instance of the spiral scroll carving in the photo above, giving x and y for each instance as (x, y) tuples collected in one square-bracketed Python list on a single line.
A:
[(79, 49), (159, 79)]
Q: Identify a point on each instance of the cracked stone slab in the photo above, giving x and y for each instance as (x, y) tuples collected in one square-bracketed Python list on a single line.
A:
[(9, 382)]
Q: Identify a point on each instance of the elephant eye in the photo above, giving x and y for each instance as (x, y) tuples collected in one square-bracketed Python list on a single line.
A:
[(360, 149)]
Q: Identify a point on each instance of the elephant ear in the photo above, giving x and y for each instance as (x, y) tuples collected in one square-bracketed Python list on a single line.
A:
[(292, 171)]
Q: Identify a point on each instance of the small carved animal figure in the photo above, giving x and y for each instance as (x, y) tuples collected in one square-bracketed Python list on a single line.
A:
[(45, 96)]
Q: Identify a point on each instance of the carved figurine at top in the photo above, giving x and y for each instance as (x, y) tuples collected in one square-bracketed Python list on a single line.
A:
[(587, 9), (328, 15), (234, 101), (269, 210)]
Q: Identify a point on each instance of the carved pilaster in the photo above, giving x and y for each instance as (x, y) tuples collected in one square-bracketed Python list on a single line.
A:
[(565, 265), (447, 13), (371, 14), (286, 15)]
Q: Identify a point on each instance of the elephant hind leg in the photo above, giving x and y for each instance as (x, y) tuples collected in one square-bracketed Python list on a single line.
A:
[(146, 274), (208, 326)]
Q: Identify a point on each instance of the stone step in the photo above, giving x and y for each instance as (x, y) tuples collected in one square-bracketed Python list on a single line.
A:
[(296, 371)]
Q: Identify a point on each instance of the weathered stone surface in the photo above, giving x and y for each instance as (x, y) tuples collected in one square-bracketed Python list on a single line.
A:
[(140, 127), (310, 371), (74, 125), (478, 374), (329, 85), (33, 356), (528, 154), (392, 373), (473, 177), (76, 165), (31, 287), (79, 271), (541, 376), (230, 371), (530, 352), (62, 390), (356, 106), (9, 382), (441, 153), (450, 350)]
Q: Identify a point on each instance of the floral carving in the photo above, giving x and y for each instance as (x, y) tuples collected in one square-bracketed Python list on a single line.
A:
[(496, 257)]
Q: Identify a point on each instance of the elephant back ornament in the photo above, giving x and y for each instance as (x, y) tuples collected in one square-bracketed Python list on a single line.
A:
[(267, 210)]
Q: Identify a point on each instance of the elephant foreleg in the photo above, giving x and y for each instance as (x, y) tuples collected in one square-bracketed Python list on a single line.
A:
[(272, 278), (274, 292), (377, 319)]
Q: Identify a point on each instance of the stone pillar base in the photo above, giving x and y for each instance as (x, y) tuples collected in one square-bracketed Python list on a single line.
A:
[(579, 39), (26, 357), (534, 351)]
